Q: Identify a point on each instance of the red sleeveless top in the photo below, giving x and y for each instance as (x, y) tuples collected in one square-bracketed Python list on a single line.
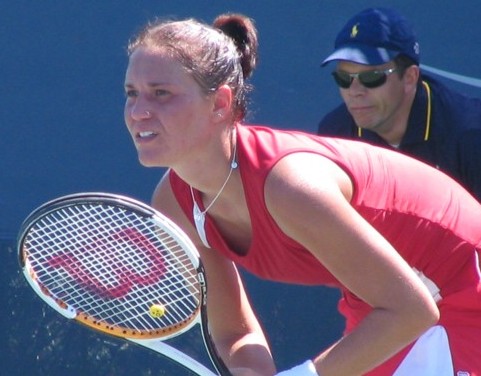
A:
[(428, 227), (436, 230)]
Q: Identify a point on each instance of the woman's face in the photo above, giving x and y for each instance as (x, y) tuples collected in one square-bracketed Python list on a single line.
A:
[(166, 113)]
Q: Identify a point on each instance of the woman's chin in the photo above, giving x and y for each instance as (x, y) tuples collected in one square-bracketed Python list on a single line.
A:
[(147, 162)]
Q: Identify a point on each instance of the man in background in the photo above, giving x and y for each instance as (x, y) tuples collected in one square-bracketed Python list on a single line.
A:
[(389, 102)]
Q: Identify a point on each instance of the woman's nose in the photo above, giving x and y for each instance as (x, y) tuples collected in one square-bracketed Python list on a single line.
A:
[(139, 112)]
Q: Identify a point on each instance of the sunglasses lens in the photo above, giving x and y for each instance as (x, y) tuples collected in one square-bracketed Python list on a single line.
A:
[(369, 79), (342, 79), (372, 79)]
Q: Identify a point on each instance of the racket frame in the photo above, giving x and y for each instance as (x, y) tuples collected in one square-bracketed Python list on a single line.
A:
[(129, 204)]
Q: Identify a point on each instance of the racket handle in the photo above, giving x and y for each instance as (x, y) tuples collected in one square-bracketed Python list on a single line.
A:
[(175, 355)]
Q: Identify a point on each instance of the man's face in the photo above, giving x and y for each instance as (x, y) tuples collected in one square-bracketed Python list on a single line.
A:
[(377, 109)]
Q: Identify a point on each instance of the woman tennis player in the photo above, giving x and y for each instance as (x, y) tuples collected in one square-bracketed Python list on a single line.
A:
[(401, 240)]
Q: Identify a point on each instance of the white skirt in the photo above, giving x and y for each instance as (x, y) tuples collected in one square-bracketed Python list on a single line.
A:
[(430, 356)]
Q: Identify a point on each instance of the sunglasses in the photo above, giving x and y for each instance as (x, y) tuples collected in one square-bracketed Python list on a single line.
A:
[(369, 79)]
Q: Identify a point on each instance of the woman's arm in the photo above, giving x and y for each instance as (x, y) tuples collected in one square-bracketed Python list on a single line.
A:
[(237, 334), (316, 212)]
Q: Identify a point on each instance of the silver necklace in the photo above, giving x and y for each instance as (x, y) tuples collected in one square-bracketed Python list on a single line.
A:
[(199, 215)]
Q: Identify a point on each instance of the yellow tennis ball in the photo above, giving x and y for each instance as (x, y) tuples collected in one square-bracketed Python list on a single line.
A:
[(157, 310)]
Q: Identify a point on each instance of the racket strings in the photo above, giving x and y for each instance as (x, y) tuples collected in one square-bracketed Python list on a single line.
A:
[(112, 265)]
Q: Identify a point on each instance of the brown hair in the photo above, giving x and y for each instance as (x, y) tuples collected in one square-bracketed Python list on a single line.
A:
[(402, 63), (222, 54)]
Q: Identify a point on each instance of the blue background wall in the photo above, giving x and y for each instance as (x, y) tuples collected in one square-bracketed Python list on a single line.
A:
[(62, 66)]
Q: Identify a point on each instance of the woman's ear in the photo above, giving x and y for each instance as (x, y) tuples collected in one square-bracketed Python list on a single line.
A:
[(222, 102)]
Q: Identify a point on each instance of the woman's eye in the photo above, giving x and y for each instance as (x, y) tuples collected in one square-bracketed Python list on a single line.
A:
[(130, 93), (161, 92)]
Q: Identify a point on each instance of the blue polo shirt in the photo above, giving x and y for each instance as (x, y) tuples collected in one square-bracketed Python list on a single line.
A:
[(444, 130)]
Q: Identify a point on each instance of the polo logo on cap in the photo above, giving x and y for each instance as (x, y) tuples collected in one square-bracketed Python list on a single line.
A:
[(354, 31), (416, 48)]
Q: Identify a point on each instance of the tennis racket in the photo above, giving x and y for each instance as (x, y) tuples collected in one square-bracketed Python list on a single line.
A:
[(120, 267)]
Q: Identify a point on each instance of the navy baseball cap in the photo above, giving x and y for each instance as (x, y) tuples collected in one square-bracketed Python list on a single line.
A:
[(375, 36)]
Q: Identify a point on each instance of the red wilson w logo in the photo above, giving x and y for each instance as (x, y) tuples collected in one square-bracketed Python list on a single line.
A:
[(109, 267)]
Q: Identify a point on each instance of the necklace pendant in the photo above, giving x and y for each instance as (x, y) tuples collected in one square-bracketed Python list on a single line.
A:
[(199, 216), (199, 220)]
